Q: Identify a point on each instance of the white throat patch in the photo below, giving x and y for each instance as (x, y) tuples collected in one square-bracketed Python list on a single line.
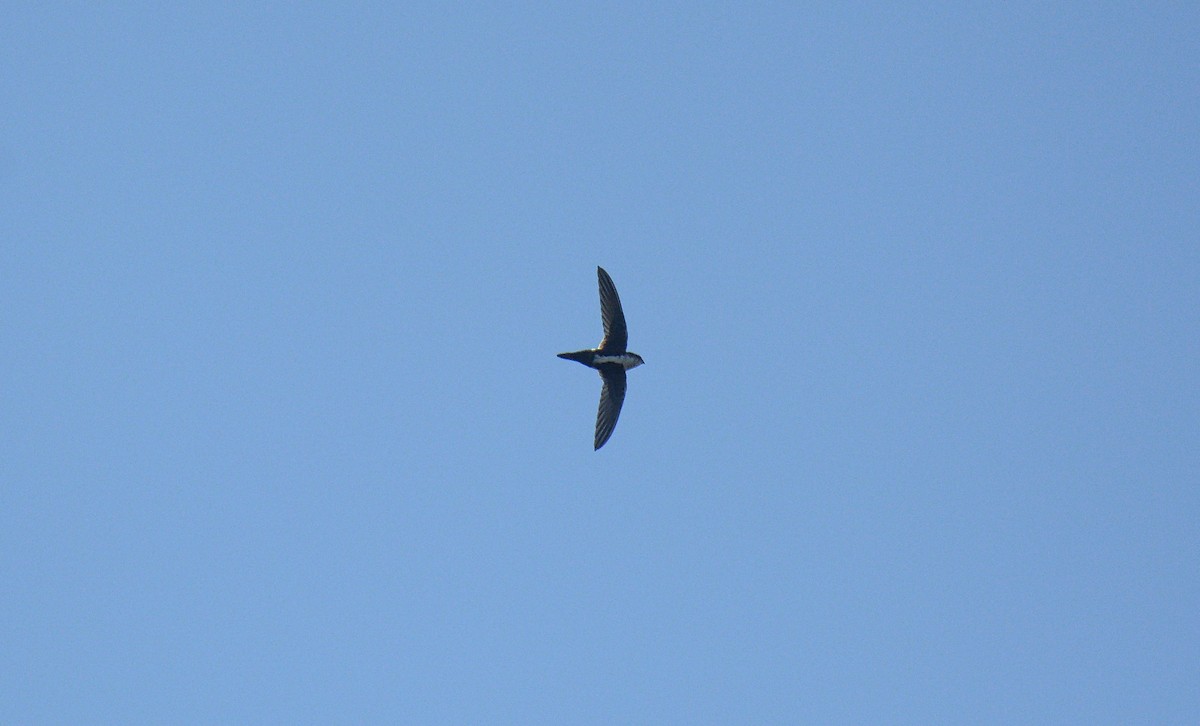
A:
[(625, 360)]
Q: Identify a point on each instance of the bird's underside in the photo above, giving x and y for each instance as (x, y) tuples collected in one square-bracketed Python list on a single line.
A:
[(611, 359)]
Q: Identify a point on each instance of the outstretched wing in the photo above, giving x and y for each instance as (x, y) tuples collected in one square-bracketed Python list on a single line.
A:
[(616, 337), (612, 395)]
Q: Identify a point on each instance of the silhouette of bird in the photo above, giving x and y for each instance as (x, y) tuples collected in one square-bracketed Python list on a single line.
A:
[(610, 358)]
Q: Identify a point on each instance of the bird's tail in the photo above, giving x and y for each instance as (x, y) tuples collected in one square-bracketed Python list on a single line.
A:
[(579, 356)]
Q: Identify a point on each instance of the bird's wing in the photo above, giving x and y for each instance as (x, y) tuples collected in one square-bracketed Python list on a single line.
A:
[(616, 337), (612, 395)]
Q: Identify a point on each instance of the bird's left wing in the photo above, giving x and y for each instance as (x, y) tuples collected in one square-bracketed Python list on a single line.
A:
[(612, 395)]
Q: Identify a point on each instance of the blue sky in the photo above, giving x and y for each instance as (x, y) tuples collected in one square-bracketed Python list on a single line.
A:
[(283, 437)]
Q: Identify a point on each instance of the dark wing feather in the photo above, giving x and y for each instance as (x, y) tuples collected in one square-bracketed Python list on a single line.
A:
[(616, 337), (611, 398)]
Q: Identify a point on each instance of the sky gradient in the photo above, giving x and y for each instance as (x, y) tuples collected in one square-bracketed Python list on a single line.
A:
[(283, 436)]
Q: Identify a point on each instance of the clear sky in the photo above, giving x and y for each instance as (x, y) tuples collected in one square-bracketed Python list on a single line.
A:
[(283, 437)]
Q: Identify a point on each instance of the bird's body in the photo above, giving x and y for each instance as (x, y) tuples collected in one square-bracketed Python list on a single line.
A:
[(610, 358), (595, 358)]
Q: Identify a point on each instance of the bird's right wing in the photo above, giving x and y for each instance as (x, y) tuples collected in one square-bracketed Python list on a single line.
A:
[(612, 395), (616, 337)]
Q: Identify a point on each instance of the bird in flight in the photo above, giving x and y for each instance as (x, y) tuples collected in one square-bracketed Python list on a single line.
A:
[(610, 358)]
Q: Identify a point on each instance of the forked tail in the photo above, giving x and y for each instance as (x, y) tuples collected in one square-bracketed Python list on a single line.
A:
[(579, 356)]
